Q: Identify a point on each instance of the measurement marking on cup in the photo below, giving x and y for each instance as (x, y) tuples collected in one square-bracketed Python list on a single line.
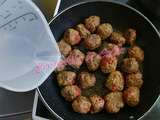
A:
[(24, 16), (10, 25), (1, 16), (7, 16), (2, 2), (20, 7), (13, 28), (31, 19), (19, 2), (7, 11)]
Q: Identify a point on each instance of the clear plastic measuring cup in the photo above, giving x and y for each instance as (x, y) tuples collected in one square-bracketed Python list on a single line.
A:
[(28, 50)]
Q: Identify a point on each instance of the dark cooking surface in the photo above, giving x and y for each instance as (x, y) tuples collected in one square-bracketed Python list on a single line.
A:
[(134, 3), (65, 4)]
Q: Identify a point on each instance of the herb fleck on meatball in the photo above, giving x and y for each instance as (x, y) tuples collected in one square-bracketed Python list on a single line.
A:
[(92, 60), (114, 102), (86, 80), (82, 30), (92, 22), (64, 48), (92, 42), (81, 105), (66, 78), (70, 92), (137, 53), (72, 36), (115, 81), (75, 58), (134, 80), (130, 65), (132, 96), (104, 30), (130, 36), (97, 103), (117, 38), (108, 64)]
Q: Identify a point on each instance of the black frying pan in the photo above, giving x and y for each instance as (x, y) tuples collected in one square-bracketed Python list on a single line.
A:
[(121, 17)]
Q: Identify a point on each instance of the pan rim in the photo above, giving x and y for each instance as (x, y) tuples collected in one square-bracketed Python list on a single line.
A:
[(107, 1)]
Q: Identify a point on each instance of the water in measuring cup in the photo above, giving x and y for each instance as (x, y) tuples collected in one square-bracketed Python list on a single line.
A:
[(16, 56), (20, 55)]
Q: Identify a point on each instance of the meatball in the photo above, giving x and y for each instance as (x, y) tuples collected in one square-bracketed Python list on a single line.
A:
[(104, 30), (92, 42), (82, 30), (66, 78), (134, 79), (115, 81), (111, 46), (97, 104), (130, 65), (130, 36), (72, 36), (60, 66), (108, 64), (75, 58), (70, 92), (117, 38), (136, 52), (86, 80), (92, 61), (132, 96), (64, 48), (115, 49), (111, 50), (81, 105), (92, 22), (114, 102)]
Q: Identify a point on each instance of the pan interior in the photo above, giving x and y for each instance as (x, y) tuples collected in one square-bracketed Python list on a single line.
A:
[(121, 18)]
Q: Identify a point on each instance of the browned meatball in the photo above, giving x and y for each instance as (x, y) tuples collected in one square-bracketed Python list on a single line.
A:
[(75, 58), (106, 48), (117, 38), (72, 36), (130, 36), (115, 81), (70, 92), (64, 48), (110, 46), (66, 78), (111, 50), (92, 60), (132, 96), (86, 80), (60, 66), (104, 30), (136, 52), (82, 30), (115, 49), (92, 23), (108, 64), (92, 42), (114, 102), (130, 65), (81, 105), (97, 104), (134, 79)]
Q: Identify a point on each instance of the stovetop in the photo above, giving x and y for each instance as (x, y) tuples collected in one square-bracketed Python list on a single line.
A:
[(43, 112)]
